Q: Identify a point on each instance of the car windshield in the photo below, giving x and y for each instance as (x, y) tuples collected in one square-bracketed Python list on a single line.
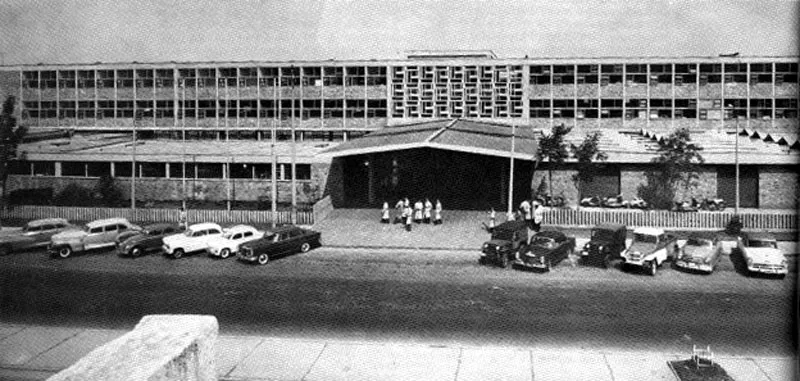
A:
[(647, 238), (227, 235), (189, 232), (545, 242), (698, 242), (603, 234), (272, 238), (763, 243)]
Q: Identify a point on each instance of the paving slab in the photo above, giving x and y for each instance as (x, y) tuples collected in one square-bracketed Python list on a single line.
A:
[(573, 366), (634, 367), (73, 349), (279, 359), (742, 369), (349, 362), (8, 330), (32, 341), (779, 369), (231, 350), (489, 364)]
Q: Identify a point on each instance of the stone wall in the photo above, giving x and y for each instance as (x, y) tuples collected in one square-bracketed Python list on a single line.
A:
[(778, 187)]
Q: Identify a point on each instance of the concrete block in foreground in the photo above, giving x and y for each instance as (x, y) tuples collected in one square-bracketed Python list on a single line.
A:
[(160, 348)]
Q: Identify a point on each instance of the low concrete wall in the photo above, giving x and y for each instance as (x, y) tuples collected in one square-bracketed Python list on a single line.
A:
[(161, 347)]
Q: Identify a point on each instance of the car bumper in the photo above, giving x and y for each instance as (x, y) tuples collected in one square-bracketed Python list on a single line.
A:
[(706, 267), (633, 262), (247, 259), (768, 269), (533, 263), (166, 250), (214, 252)]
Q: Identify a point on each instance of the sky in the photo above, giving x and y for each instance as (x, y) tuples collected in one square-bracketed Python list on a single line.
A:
[(86, 31)]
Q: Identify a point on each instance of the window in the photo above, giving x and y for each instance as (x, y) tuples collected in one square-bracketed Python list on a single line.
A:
[(44, 168), (73, 168), (96, 230)]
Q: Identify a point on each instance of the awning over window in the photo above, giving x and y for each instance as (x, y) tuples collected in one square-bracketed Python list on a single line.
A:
[(461, 135)]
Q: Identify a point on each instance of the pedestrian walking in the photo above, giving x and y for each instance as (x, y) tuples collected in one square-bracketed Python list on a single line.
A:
[(385, 213), (418, 211), (427, 214), (538, 216), (408, 217), (437, 218)]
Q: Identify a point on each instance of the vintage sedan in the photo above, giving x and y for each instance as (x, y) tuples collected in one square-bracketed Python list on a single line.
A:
[(147, 240), (97, 234), (35, 234), (281, 241), (702, 251), (229, 242), (194, 239), (760, 252), (546, 250)]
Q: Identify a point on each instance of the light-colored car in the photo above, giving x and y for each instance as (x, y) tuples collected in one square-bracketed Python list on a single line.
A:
[(195, 238), (760, 252), (97, 234), (34, 234), (702, 252), (228, 243), (651, 247)]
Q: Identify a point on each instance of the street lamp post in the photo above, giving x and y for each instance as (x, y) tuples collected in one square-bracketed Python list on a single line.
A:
[(511, 173)]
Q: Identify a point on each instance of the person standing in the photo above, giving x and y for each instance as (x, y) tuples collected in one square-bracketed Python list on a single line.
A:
[(437, 219), (407, 219), (492, 221), (525, 211), (398, 208), (427, 213), (182, 218), (385, 213), (538, 216), (418, 211)]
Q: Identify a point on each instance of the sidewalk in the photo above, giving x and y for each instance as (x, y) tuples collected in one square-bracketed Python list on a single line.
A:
[(36, 352)]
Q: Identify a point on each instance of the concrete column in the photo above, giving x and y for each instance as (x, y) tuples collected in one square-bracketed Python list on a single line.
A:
[(371, 179)]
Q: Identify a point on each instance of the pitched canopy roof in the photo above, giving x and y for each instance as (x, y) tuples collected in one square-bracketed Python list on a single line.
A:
[(491, 139)]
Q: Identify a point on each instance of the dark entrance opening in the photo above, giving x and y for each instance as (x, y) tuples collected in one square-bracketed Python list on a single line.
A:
[(748, 185), (460, 180)]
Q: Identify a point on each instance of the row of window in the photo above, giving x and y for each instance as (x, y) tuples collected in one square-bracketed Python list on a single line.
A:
[(251, 171)]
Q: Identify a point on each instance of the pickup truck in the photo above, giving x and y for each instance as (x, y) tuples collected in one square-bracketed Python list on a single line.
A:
[(95, 235), (651, 247)]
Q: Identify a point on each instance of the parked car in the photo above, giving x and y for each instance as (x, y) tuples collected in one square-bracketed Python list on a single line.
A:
[(194, 239), (34, 234), (145, 241), (97, 234), (546, 250), (760, 252), (230, 240), (282, 241), (506, 240), (651, 247), (606, 244), (702, 252)]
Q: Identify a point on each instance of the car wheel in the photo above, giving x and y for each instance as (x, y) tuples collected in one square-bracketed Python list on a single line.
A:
[(177, 254), (64, 252), (4, 250), (135, 252), (305, 247), (652, 268), (263, 259), (225, 253)]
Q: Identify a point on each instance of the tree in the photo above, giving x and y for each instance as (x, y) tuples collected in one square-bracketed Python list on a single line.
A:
[(587, 154), (553, 148), (10, 136), (107, 191), (677, 165)]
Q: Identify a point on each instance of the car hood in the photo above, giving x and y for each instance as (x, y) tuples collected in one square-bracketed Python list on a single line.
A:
[(690, 251), (69, 234), (5, 232), (765, 255), (498, 242), (135, 239), (642, 247)]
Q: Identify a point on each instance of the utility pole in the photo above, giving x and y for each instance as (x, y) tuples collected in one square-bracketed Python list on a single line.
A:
[(511, 172), (294, 158), (736, 158), (274, 166)]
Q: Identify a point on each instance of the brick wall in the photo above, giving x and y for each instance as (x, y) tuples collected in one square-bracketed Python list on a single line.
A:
[(778, 187)]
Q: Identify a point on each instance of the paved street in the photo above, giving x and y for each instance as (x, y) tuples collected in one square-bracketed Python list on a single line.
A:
[(411, 296)]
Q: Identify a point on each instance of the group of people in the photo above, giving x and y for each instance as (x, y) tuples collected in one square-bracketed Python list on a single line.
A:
[(532, 212), (419, 212)]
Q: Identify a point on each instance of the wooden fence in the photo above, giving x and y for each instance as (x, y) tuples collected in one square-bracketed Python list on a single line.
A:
[(766, 220), (30, 212)]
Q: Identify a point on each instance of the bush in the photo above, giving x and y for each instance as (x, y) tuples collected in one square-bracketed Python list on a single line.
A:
[(75, 195), (108, 192), (657, 191), (35, 196), (734, 226)]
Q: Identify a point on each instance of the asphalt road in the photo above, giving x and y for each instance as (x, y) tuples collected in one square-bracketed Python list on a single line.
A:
[(435, 297)]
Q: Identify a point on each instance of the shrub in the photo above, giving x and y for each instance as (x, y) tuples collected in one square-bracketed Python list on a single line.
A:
[(35, 196), (75, 195), (107, 191), (734, 226)]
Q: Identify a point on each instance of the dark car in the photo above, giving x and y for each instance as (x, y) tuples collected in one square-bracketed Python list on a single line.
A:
[(147, 240), (281, 241), (546, 250), (506, 239), (606, 244)]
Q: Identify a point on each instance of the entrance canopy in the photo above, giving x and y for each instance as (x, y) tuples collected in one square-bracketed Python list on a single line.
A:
[(460, 135)]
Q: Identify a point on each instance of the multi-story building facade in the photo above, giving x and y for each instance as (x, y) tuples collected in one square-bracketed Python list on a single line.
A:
[(312, 102)]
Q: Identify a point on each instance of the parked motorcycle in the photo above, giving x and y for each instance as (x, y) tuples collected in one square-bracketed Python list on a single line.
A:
[(638, 203), (712, 204), (614, 202), (547, 200), (591, 201), (684, 206)]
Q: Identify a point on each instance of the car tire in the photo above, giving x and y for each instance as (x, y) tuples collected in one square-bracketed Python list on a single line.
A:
[(177, 253), (64, 252), (225, 253), (305, 247), (652, 268), (263, 259), (136, 251), (4, 250)]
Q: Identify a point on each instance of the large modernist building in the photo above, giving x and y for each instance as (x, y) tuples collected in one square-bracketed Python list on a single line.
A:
[(440, 123)]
